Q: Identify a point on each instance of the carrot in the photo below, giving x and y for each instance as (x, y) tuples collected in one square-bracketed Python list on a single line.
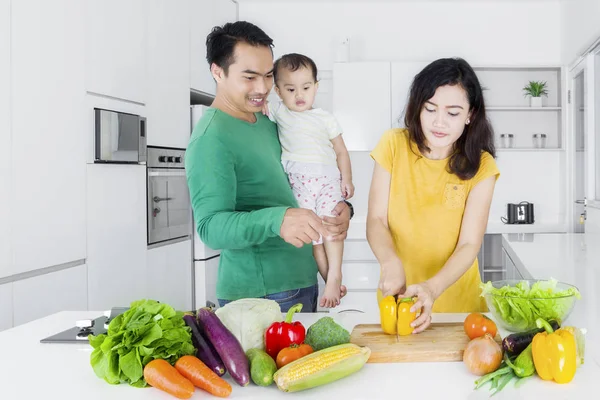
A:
[(203, 377), (162, 375)]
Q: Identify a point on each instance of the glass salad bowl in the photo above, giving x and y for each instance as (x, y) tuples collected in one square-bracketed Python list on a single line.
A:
[(516, 304)]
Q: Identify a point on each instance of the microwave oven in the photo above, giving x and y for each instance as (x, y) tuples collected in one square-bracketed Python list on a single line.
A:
[(120, 137)]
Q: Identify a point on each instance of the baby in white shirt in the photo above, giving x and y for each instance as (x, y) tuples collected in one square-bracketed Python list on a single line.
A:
[(314, 157)]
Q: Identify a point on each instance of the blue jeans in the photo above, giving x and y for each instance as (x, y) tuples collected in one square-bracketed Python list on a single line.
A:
[(307, 296)]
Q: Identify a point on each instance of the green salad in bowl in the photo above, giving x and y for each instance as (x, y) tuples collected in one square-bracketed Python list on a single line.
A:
[(516, 304)]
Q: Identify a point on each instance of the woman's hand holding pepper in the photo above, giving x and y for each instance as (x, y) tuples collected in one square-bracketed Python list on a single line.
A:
[(425, 298)]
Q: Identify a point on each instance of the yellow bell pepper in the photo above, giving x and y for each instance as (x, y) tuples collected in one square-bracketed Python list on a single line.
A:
[(388, 314), (396, 316), (405, 316), (554, 353)]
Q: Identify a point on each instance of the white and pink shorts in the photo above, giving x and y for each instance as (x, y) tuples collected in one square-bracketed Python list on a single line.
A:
[(316, 187)]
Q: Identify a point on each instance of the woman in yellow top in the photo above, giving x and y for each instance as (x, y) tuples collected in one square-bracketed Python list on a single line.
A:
[(431, 192)]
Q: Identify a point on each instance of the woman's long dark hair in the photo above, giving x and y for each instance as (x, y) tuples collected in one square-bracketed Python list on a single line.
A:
[(478, 134)]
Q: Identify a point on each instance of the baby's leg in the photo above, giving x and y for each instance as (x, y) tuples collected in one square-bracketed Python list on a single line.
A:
[(334, 252), (321, 258), (328, 198)]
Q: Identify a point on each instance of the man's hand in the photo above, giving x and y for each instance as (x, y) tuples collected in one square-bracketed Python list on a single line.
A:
[(338, 225), (302, 226)]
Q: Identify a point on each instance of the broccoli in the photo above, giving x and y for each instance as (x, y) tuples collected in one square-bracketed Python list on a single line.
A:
[(326, 333)]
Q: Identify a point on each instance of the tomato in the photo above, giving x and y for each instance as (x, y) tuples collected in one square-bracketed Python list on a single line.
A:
[(477, 325), (292, 353)]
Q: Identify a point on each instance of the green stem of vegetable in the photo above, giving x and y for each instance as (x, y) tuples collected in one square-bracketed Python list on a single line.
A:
[(544, 324), (505, 379), (479, 382), (519, 371), (405, 300), (290, 314)]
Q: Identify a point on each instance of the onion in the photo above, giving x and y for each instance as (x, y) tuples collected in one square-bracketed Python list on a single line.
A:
[(482, 355)]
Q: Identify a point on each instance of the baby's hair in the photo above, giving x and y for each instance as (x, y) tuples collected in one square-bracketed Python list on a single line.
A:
[(293, 62)]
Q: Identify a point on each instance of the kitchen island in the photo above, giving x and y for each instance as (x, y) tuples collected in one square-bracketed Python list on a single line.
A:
[(32, 370)]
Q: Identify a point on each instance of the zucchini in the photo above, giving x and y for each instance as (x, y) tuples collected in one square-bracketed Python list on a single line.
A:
[(262, 367)]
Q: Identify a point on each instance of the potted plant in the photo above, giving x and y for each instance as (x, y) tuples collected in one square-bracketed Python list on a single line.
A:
[(536, 89)]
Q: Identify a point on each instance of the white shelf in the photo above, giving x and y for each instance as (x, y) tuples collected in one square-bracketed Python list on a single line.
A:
[(523, 108), (522, 149)]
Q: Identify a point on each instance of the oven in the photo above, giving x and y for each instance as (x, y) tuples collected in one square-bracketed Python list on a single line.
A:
[(168, 205)]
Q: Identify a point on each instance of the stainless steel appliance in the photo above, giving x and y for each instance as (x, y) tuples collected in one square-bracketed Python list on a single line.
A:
[(120, 137), (522, 213), (168, 206), (206, 260), (83, 328)]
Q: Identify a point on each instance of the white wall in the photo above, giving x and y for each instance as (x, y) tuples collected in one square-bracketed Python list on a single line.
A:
[(490, 32), (580, 27)]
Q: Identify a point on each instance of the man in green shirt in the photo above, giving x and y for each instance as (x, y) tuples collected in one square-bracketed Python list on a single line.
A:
[(240, 195)]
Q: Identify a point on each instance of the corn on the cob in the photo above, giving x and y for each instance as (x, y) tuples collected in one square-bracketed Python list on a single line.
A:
[(321, 367)]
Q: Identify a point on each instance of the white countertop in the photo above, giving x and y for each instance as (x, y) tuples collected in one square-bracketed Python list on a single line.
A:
[(31, 370), (358, 227), (573, 258)]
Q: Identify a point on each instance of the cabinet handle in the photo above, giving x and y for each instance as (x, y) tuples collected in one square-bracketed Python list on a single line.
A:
[(159, 199)]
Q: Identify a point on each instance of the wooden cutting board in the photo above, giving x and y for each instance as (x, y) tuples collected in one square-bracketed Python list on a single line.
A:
[(439, 342)]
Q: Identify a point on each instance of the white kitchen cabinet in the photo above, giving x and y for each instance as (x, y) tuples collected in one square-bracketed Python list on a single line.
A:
[(115, 51), (509, 267), (40, 296), (403, 74), (361, 102), (6, 306), (206, 14), (168, 86), (117, 238), (170, 275), (5, 140), (48, 142)]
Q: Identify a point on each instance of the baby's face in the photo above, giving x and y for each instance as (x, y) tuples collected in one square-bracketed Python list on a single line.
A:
[(297, 89)]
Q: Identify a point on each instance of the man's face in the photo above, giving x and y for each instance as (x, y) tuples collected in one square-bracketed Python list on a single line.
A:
[(249, 79)]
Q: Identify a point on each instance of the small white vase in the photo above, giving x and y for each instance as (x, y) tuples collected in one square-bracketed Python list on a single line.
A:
[(535, 101)]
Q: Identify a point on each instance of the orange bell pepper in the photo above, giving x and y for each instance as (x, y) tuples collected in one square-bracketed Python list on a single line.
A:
[(554, 353)]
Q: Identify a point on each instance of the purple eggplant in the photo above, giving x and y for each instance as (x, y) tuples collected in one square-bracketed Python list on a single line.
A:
[(204, 350), (227, 346)]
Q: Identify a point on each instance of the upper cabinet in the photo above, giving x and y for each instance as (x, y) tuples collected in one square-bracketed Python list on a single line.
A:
[(168, 87), (206, 14), (361, 102), (115, 50), (5, 141), (48, 134)]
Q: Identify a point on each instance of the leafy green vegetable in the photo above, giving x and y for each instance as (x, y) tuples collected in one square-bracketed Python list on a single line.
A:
[(146, 331), (326, 333), (520, 305)]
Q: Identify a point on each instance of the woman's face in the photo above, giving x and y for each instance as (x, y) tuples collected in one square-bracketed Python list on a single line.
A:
[(443, 118)]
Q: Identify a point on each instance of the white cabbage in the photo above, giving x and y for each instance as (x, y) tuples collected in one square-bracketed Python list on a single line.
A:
[(248, 319)]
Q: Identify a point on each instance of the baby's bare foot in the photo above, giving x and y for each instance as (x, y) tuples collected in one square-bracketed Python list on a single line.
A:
[(332, 295)]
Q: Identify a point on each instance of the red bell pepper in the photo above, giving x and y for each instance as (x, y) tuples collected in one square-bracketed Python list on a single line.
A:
[(283, 334)]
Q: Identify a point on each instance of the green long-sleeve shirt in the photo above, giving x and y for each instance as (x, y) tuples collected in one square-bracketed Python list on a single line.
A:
[(239, 193)]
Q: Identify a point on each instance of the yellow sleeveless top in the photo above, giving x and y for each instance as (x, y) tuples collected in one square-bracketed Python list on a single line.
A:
[(425, 211)]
